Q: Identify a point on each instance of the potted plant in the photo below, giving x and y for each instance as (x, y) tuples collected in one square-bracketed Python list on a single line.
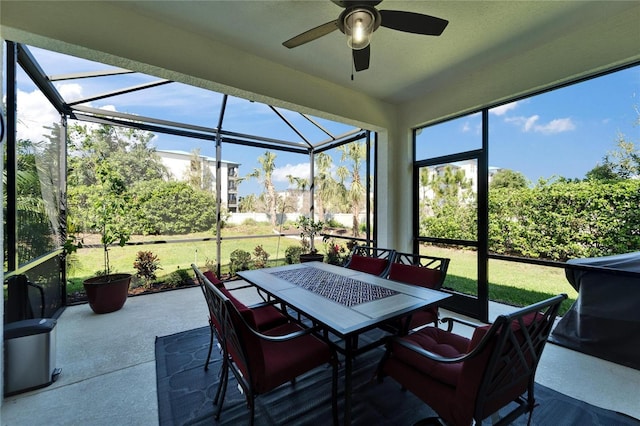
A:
[(308, 230), (107, 292)]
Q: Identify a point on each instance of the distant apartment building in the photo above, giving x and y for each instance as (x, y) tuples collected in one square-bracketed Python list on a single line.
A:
[(180, 164)]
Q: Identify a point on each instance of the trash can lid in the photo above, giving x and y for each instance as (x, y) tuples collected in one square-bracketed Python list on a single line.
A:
[(28, 327)]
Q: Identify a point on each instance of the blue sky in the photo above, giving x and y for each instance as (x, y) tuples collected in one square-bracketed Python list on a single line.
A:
[(565, 132)]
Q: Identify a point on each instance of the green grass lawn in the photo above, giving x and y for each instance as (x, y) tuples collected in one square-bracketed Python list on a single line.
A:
[(512, 283), (173, 256)]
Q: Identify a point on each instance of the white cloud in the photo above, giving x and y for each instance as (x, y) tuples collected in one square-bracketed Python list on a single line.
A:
[(70, 91), (466, 127), (530, 124), (34, 113), (300, 170), (556, 126), (503, 109)]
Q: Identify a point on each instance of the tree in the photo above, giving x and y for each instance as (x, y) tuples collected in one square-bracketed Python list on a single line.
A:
[(622, 163), (128, 151), (110, 207), (356, 153), (326, 187), (300, 185), (37, 211), (124, 153), (161, 207), (264, 174), (451, 210), (507, 178), (198, 173), (248, 203)]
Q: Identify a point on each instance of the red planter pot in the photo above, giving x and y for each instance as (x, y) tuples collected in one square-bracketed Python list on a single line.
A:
[(107, 293)]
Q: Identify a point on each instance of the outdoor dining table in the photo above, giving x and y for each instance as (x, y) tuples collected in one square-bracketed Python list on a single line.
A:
[(343, 302)]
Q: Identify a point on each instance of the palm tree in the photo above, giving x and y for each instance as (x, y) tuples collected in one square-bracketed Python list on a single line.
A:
[(326, 185), (356, 153), (267, 161), (301, 185), (248, 203)]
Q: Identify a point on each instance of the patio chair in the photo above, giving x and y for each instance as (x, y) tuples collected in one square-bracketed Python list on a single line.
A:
[(465, 380), (424, 271), (266, 315), (263, 361), (372, 260)]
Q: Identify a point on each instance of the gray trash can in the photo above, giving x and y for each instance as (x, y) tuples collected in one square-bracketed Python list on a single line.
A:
[(29, 355)]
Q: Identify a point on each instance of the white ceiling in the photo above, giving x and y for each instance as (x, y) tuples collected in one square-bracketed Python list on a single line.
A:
[(491, 50), (479, 32)]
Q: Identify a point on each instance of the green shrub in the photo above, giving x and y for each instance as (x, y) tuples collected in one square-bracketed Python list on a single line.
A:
[(249, 222), (178, 278), (260, 257), (292, 254), (162, 207), (561, 220), (239, 260), (146, 264), (333, 223), (336, 253), (211, 265)]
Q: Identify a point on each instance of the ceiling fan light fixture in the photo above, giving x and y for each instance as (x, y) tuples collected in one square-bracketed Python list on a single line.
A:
[(359, 27)]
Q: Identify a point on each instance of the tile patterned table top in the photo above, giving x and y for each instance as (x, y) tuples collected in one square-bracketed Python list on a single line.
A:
[(344, 290)]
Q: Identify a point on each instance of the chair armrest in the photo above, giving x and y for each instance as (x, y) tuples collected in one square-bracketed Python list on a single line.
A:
[(265, 297), (263, 304), (284, 338), (450, 321), (240, 287)]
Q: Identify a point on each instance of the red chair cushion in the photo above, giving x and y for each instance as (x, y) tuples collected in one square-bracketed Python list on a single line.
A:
[(282, 361), (267, 317), (214, 280), (370, 265), (416, 275), (439, 342), (261, 318), (274, 363), (421, 276)]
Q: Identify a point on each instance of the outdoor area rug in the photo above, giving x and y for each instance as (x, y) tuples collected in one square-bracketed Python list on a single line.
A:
[(186, 391)]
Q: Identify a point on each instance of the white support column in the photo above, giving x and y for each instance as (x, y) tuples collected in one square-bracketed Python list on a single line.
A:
[(395, 198)]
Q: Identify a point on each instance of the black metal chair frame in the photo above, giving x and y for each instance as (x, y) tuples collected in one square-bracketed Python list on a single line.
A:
[(215, 310), (502, 369), (232, 339)]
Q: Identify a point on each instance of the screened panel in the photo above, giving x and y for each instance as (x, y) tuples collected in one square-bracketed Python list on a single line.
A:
[(447, 206), (451, 137), (564, 176)]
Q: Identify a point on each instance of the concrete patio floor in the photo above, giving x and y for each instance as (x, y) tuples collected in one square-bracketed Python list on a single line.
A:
[(108, 366)]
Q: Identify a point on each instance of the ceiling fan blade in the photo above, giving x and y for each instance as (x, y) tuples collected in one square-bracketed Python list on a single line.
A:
[(353, 3), (311, 35), (361, 58), (411, 22)]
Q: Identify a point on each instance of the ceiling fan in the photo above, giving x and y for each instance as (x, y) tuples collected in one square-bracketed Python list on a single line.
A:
[(360, 19)]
